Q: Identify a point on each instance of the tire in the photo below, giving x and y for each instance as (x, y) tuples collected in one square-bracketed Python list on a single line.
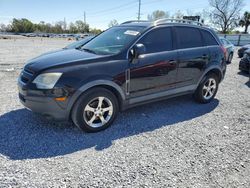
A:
[(202, 94), (230, 57), (95, 110)]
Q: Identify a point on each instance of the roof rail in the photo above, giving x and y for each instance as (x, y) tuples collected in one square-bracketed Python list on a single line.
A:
[(134, 21), (170, 20)]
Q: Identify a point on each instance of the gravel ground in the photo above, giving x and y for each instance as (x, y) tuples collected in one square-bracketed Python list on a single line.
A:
[(173, 143)]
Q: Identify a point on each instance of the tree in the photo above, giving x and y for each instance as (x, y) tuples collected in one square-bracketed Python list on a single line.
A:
[(72, 28), (22, 26), (81, 26), (3, 27), (225, 13), (158, 14), (113, 23), (245, 21), (178, 15), (95, 31)]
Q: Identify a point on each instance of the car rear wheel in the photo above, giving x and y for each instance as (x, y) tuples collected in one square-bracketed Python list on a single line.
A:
[(207, 89), (95, 110)]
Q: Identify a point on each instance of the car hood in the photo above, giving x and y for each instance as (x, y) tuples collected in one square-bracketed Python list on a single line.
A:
[(60, 58), (247, 52), (246, 46)]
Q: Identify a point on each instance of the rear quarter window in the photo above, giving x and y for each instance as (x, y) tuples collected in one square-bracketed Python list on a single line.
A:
[(208, 38)]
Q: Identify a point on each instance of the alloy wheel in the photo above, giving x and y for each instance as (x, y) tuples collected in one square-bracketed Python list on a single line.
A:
[(98, 112), (209, 88)]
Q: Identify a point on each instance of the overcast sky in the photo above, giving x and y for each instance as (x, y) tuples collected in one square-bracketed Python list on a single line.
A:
[(98, 12)]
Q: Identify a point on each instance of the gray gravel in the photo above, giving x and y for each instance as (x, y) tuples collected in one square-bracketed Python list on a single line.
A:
[(173, 143)]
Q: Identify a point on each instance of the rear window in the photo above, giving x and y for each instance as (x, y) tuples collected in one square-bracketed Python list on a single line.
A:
[(188, 37), (208, 38)]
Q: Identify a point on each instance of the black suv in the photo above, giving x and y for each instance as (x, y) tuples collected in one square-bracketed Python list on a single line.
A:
[(127, 65)]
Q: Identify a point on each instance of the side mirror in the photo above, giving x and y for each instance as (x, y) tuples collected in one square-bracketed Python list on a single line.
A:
[(137, 50)]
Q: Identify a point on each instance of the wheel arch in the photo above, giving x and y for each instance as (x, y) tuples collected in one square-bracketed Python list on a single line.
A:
[(109, 85), (215, 70)]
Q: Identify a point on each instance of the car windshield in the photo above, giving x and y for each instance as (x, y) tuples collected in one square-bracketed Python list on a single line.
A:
[(113, 41), (78, 44)]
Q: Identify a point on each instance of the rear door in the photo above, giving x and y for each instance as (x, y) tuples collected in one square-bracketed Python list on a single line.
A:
[(193, 55), (156, 70)]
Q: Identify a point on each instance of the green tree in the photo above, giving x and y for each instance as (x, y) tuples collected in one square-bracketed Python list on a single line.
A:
[(81, 26), (95, 31), (245, 21), (73, 28), (22, 26)]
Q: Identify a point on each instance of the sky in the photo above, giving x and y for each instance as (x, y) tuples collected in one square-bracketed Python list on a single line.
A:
[(98, 12)]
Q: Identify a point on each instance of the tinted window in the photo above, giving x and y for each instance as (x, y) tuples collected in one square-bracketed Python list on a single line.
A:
[(228, 42), (114, 40), (224, 42), (188, 37), (208, 38), (157, 40)]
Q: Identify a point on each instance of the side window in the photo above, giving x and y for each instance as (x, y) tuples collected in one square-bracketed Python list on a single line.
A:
[(228, 42), (157, 40), (208, 38), (188, 37)]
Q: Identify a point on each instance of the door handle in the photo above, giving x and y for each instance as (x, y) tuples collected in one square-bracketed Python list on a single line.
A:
[(172, 62), (204, 56)]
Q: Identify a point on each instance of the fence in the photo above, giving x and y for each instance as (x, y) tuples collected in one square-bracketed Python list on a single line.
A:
[(237, 39)]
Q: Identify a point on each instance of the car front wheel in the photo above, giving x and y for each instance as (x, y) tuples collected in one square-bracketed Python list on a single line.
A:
[(95, 110)]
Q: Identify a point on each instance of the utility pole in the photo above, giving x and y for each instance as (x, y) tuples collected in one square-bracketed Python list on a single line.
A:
[(84, 17), (64, 24), (139, 11)]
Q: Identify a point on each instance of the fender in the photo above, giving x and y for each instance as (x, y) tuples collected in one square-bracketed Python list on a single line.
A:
[(91, 84), (213, 67)]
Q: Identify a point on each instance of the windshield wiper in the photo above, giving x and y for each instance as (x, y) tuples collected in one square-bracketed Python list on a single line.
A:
[(89, 50)]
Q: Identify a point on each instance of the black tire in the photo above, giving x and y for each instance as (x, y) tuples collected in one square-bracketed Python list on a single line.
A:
[(199, 93), (78, 111)]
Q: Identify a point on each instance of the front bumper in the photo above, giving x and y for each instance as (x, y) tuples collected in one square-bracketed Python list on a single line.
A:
[(240, 54), (244, 65), (38, 102)]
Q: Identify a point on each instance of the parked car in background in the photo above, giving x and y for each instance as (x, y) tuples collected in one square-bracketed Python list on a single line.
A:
[(125, 66), (242, 50), (245, 62), (79, 43), (230, 49)]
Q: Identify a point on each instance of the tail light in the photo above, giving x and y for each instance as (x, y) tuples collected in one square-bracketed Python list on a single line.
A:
[(224, 51)]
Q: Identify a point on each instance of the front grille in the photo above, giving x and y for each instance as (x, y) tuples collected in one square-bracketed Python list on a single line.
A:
[(26, 75), (21, 97), (28, 71)]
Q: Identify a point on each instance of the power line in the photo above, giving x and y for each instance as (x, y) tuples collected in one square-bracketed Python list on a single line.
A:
[(110, 9), (113, 11)]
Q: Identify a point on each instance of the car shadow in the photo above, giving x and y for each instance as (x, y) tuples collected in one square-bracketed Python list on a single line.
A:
[(25, 135), (245, 73)]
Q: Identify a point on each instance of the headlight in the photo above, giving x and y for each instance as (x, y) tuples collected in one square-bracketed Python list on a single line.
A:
[(246, 56), (47, 80)]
